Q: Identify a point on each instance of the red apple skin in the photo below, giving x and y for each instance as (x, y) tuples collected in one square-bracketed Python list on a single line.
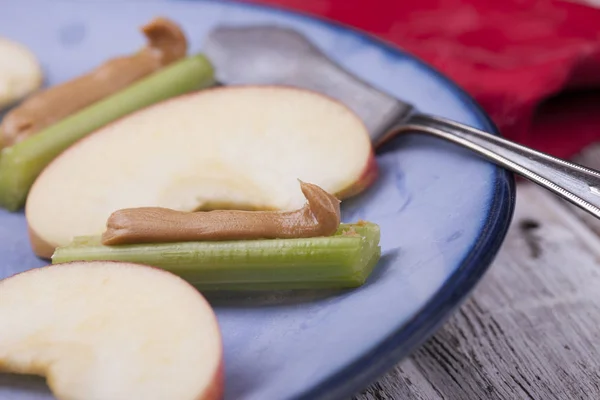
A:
[(216, 389), (41, 248), (367, 178)]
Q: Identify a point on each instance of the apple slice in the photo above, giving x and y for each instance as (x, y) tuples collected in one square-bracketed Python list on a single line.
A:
[(110, 331), (20, 72), (242, 147)]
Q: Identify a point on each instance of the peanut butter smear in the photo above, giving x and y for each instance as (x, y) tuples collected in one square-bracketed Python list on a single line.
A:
[(319, 217), (166, 44)]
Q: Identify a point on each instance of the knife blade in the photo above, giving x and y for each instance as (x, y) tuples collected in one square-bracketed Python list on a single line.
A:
[(269, 54), (276, 55)]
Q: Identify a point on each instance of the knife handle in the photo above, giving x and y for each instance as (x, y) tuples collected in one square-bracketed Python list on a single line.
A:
[(575, 183)]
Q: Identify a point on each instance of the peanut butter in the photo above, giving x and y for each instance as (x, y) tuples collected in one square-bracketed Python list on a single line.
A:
[(319, 217), (166, 44)]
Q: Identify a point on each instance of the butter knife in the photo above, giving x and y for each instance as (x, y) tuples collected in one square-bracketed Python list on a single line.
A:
[(269, 54)]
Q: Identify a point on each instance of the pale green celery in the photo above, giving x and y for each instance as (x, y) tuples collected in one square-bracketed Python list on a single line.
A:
[(339, 261), (22, 163)]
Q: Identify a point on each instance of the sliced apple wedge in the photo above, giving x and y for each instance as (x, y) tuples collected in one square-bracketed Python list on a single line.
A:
[(20, 73), (242, 147), (110, 331)]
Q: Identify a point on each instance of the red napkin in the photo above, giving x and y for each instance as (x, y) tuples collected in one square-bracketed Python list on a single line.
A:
[(533, 65)]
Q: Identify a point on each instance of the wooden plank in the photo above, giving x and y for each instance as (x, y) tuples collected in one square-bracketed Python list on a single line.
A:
[(405, 381), (530, 330)]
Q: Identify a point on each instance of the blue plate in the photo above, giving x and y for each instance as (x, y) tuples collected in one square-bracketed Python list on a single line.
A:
[(443, 212)]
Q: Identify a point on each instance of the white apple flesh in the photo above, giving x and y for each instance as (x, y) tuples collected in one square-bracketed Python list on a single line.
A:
[(110, 331), (242, 147), (20, 72)]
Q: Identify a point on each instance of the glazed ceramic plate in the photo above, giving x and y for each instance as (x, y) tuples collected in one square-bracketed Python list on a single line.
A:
[(443, 212)]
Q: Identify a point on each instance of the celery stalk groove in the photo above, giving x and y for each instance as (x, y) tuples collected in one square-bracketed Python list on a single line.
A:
[(22, 163), (344, 260)]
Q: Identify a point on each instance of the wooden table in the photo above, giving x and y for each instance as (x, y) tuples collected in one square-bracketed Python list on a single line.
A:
[(531, 328)]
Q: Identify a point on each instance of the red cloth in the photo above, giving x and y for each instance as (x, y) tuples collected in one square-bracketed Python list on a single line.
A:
[(512, 56)]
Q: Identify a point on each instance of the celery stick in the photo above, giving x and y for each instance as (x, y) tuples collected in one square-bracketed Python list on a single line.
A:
[(338, 261), (22, 163)]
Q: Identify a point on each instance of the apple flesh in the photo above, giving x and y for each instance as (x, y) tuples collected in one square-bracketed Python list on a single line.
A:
[(111, 331), (238, 147), (20, 72)]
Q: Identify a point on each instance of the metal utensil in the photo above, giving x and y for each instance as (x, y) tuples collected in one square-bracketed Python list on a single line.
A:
[(282, 56)]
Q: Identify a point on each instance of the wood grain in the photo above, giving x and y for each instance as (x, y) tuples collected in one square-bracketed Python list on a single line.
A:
[(531, 328)]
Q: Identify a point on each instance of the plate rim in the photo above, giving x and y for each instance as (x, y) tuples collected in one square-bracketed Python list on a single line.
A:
[(366, 369)]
